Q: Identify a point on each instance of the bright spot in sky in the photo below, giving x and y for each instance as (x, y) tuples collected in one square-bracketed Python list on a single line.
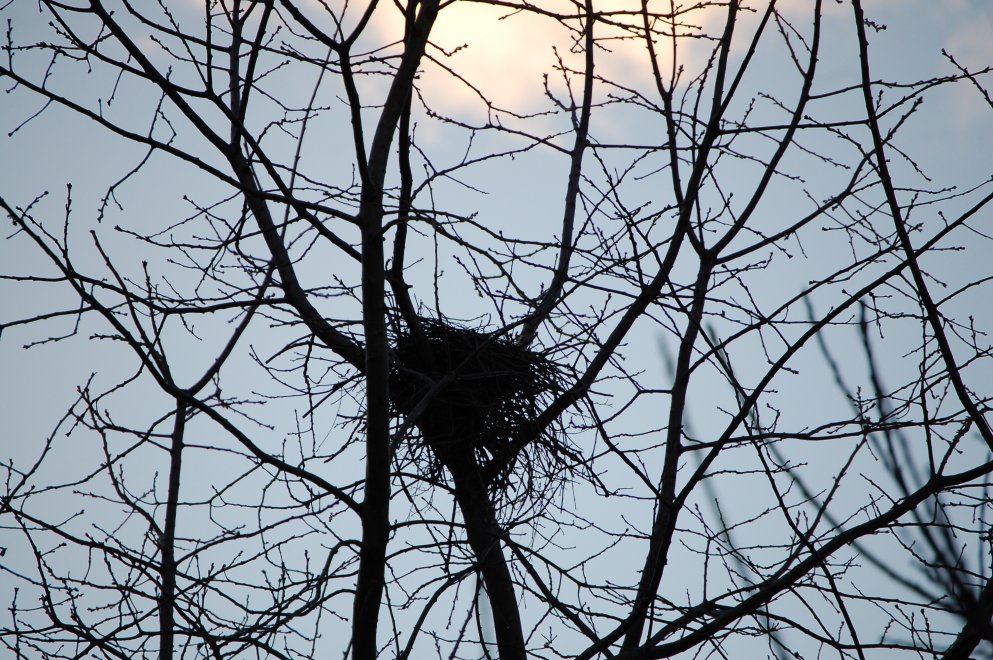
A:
[(505, 55)]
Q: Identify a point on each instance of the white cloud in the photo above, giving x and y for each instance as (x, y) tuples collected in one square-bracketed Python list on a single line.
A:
[(505, 55)]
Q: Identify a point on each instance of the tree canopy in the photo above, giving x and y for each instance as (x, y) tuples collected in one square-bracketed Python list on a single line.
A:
[(621, 329)]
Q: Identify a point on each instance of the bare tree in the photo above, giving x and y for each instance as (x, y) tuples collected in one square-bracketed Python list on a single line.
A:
[(375, 334)]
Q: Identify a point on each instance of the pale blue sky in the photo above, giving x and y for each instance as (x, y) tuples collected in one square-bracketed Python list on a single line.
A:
[(950, 137)]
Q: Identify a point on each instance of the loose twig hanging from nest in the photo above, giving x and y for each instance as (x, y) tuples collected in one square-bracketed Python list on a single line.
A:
[(485, 393)]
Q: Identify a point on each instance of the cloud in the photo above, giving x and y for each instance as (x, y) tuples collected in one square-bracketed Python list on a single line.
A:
[(970, 41), (970, 44), (505, 56)]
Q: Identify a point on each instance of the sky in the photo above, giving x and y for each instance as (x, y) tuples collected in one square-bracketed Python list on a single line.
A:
[(507, 55)]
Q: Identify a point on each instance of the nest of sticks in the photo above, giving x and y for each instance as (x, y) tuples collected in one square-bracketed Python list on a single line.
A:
[(473, 397)]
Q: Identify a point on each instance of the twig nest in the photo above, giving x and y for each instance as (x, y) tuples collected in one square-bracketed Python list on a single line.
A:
[(475, 396)]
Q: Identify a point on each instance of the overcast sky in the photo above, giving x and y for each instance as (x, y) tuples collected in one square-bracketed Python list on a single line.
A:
[(951, 137)]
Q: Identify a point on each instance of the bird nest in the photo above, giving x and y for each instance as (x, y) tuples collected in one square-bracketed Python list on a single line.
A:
[(474, 397)]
